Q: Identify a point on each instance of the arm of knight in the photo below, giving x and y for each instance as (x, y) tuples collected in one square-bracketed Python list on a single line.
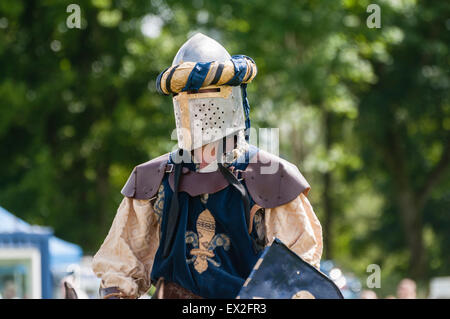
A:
[(125, 259)]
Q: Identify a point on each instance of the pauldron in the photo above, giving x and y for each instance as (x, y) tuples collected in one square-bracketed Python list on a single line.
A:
[(270, 180)]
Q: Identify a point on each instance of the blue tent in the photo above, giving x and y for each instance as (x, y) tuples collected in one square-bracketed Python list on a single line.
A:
[(56, 254), (11, 224)]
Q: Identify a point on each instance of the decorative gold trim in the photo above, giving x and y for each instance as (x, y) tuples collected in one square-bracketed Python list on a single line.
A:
[(211, 73), (253, 211), (225, 91), (183, 102), (303, 294), (247, 282), (205, 242), (258, 263)]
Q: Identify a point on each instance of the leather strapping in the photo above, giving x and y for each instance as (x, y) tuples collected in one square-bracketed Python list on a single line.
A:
[(266, 190), (174, 212), (232, 179)]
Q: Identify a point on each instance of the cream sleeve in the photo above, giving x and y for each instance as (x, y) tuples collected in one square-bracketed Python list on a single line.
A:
[(125, 258), (297, 226)]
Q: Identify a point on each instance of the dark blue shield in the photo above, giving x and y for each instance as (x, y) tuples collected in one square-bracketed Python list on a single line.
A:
[(282, 274)]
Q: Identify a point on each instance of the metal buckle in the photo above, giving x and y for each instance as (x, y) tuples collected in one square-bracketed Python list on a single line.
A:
[(237, 172), (169, 168)]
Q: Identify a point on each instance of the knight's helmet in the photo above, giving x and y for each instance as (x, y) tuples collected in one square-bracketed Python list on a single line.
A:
[(209, 91)]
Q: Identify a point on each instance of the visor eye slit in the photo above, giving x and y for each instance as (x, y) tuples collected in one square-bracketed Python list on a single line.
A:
[(200, 91)]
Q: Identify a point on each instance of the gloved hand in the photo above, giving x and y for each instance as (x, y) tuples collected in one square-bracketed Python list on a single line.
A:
[(111, 293)]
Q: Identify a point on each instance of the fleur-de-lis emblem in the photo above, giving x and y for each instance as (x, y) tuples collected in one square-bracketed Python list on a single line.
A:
[(205, 242)]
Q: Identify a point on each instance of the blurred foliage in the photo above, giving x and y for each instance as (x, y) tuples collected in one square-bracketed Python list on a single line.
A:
[(364, 113)]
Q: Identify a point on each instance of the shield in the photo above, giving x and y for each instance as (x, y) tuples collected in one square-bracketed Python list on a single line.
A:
[(282, 274)]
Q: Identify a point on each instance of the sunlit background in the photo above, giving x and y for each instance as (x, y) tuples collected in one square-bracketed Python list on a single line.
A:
[(363, 112)]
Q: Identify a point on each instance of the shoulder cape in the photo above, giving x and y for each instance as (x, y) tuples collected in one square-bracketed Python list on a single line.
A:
[(270, 180)]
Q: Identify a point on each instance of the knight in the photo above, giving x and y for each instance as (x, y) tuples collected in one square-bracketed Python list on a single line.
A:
[(193, 222)]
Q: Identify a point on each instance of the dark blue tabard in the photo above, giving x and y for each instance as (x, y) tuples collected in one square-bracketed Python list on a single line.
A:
[(281, 274), (213, 253)]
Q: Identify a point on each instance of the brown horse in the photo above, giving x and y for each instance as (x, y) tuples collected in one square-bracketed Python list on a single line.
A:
[(69, 291)]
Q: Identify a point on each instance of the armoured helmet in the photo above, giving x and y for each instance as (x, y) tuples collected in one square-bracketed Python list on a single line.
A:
[(207, 96)]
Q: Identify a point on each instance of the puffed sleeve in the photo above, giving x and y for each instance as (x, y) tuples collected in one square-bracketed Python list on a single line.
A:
[(125, 258), (298, 227)]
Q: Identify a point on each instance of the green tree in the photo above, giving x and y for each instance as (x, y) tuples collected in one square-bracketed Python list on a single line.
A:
[(363, 112), (404, 117), (78, 111)]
